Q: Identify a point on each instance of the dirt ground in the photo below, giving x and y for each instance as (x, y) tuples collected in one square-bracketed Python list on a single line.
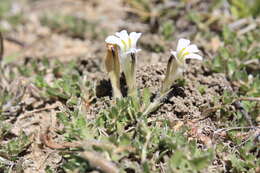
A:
[(194, 103)]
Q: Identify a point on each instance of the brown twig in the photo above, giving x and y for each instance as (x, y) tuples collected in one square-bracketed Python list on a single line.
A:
[(47, 108), (94, 158), (15, 41), (48, 141)]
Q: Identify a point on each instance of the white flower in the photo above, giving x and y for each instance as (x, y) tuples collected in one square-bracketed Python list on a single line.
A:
[(186, 51), (127, 43), (176, 64)]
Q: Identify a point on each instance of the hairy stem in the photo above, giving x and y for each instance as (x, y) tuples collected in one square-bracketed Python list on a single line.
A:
[(130, 74), (113, 68)]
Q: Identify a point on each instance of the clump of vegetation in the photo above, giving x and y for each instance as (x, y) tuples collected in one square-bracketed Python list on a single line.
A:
[(72, 26), (123, 133), (10, 15), (126, 56)]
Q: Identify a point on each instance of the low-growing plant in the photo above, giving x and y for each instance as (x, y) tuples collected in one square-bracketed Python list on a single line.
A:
[(239, 59), (124, 135), (11, 17), (127, 55), (156, 13), (243, 8), (72, 26)]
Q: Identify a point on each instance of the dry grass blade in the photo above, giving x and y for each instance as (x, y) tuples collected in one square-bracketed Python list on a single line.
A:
[(257, 99), (100, 163), (94, 159), (236, 128), (47, 140), (64, 97), (138, 9)]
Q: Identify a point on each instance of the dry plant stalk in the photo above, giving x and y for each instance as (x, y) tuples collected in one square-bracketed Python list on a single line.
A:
[(100, 163), (49, 142), (93, 158), (113, 68)]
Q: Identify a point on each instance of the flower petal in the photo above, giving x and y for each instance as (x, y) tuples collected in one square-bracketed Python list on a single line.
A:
[(115, 40), (123, 35), (193, 56), (182, 43), (124, 38), (133, 50), (192, 49), (112, 39), (174, 53), (134, 38)]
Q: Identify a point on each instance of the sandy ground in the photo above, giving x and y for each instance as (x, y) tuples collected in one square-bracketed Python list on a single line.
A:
[(33, 40)]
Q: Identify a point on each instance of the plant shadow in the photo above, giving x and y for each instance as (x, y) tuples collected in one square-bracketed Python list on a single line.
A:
[(104, 87)]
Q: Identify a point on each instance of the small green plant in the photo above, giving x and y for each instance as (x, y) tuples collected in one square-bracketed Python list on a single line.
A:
[(12, 149), (243, 8), (156, 13), (127, 44), (122, 133), (127, 54), (126, 126), (70, 25), (11, 17), (234, 60), (167, 30)]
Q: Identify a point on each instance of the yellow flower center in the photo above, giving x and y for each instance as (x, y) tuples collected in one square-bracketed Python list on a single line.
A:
[(127, 45), (129, 42), (182, 54), (124, 43)]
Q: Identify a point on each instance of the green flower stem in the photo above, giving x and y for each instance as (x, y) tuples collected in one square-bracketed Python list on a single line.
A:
[(156, 103), (173, 72), (130, 74), (167, 82)]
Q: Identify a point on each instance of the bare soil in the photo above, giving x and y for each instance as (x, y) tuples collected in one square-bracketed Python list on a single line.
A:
[(193, 99)]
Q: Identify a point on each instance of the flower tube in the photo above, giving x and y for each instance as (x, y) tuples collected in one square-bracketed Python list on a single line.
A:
[(176, 64), (128, 52), (113, 68)]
